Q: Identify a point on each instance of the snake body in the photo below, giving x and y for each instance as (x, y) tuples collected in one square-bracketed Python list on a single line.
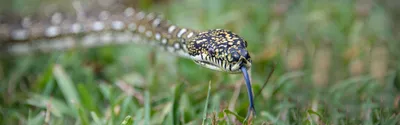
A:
[(217, 49)]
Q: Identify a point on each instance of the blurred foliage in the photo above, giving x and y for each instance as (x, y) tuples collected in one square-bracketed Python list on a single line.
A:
[(335, 63)]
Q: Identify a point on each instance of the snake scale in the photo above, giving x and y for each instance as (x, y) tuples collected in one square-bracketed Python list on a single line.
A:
[(216, 49)]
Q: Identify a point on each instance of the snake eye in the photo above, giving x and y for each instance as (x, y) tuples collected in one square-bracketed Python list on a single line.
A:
[(234, 57)]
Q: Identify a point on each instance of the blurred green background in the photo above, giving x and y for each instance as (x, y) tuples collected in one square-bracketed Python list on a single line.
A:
[(334, 61)]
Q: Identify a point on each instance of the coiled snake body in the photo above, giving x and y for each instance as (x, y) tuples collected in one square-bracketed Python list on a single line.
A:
[(217, 49)]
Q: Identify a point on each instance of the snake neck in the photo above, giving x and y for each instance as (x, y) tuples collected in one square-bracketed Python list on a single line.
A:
[(61, 32)]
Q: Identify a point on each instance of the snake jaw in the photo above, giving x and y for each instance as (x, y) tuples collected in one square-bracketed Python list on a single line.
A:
[(208, 65), (234, 68)]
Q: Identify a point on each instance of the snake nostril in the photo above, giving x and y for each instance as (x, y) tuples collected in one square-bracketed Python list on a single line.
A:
[(245, 53)]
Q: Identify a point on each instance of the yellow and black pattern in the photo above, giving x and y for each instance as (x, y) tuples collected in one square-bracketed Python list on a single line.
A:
[(221, 48)]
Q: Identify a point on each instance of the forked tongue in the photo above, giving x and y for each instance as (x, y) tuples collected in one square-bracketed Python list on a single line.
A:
[(249, 91)]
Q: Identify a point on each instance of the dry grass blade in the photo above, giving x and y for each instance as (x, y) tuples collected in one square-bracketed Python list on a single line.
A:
[(266, 81)]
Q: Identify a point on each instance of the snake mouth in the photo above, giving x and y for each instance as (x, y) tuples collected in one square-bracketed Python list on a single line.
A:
[(231, 68), (221, 65), (209, 65)]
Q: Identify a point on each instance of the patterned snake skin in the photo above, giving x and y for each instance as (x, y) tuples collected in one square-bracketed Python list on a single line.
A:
[(217, 49)]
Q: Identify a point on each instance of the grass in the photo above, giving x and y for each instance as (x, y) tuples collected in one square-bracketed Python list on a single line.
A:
[(334, 64)]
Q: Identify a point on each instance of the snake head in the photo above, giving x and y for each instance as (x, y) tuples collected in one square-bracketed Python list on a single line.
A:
[(220, 50)]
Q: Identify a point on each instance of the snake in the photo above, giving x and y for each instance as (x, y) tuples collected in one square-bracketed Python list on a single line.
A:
[(215, 49)]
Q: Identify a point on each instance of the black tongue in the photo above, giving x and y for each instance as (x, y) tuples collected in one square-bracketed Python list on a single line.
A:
[(249, 90)]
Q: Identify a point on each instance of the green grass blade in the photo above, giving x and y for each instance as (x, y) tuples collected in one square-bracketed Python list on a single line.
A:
[(269, 117), (127, 121), (138, 117), (82, 115), (175, 106), (206, 105), (36, 120), (66, 86), (88, 101), (58, 107), (146, 107), (96, 119), (314, 113), (240, 118)]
